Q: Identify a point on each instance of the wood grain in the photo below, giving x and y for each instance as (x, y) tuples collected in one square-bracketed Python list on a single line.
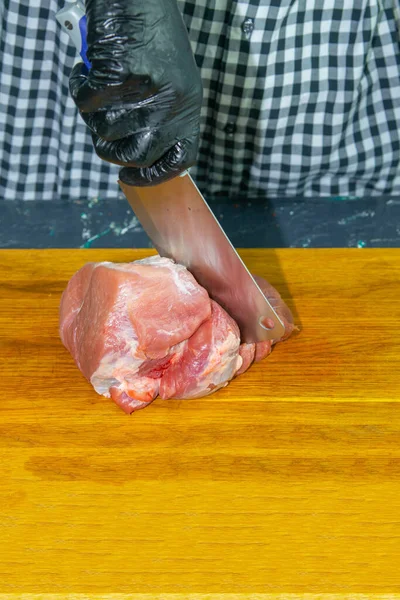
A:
[(286, 484)]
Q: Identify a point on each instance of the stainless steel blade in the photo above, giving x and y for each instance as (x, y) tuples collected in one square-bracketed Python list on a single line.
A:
[(182, 226)]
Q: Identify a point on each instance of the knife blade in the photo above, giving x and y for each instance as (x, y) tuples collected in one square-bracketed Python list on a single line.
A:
[(182, 226)]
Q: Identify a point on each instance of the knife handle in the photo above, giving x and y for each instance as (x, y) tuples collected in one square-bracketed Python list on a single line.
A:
[(72, 19)]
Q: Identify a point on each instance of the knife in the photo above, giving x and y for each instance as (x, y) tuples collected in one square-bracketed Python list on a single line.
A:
[(182, 226)]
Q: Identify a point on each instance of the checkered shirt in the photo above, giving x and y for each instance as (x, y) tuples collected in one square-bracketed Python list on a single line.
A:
[(301, 97)]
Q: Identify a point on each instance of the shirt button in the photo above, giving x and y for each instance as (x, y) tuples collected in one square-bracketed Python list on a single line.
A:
[(230, 128), (248, 27)]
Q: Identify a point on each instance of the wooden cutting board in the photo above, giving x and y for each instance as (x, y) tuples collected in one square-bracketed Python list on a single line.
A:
[(286, 482)]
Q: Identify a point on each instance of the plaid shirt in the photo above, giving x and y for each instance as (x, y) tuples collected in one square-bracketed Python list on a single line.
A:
[(302, 97)]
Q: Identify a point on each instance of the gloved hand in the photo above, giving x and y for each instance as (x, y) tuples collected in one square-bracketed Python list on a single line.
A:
[(142, 97)]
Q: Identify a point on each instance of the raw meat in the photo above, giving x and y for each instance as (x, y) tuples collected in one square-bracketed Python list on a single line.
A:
[(146, 329)]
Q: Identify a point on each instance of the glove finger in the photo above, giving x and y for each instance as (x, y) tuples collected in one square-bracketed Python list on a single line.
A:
[(78, 80), (177, 160), (92, 92), (138, 150), (144, 148), (125, 117), (116, 124), (128, 116)]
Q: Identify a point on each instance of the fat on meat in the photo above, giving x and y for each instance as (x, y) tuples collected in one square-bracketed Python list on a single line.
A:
[(145, 329)]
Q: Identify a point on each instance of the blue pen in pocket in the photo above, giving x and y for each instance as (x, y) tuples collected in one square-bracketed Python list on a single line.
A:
[(72, 19)]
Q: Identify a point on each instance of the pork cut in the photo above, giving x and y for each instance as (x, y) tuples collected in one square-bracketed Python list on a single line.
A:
[(145, 329)]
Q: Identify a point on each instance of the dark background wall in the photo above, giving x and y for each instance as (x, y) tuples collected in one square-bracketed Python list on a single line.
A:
[(256, 222)]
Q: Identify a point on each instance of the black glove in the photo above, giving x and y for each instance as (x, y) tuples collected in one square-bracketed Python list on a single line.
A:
[(142, 97)]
